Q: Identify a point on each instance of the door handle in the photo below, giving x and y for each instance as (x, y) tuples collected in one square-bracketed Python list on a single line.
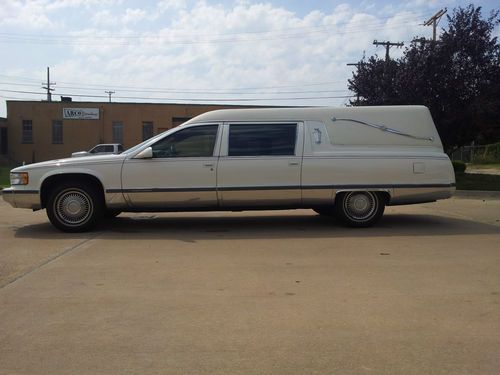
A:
[(208, 165), (293, 163)]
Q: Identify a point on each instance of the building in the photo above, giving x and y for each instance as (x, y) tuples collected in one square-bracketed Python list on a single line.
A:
[(3, 136), (36, 131)]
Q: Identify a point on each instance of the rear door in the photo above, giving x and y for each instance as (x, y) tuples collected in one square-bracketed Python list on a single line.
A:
[(260, 164)]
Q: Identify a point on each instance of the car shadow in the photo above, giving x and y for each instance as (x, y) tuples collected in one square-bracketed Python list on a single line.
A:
[(190, 227)]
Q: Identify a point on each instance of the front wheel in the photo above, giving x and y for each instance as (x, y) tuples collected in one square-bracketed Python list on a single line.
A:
[(72, 208), (359, 208)]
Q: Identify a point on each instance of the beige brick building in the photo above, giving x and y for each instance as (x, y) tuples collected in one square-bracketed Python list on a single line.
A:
[(38, 131)]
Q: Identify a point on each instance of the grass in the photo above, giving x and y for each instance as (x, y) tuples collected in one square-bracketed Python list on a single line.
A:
[(484, 166), (4, 177), (469, 181)]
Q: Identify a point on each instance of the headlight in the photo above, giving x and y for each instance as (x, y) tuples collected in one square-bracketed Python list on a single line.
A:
[(20, 178)]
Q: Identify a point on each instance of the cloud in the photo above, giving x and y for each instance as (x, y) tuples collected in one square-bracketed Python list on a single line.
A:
[(212, 46)]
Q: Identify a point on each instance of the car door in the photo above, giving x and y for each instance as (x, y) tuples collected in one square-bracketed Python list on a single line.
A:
[(260, 165), (180, 174)]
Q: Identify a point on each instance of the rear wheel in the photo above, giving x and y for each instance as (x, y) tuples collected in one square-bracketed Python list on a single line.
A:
[(359, 208), (72, 208)]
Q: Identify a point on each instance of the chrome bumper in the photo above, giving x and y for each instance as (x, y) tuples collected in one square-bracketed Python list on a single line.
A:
[(22, 198)]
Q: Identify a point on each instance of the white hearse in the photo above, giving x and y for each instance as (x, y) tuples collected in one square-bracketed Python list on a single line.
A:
[(345, 162)]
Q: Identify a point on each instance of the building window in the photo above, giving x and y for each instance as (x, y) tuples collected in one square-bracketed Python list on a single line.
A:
[(117, 132), (57, 131), (147, 130), (27, 131)]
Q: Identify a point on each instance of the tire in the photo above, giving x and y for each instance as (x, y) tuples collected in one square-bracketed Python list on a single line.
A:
[(74, 208), (359, 208)]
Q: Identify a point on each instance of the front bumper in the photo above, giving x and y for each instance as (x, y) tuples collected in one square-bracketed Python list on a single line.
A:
[(22, 198)]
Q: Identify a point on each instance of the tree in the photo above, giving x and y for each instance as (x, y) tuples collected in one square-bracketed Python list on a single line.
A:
[(457, 77)]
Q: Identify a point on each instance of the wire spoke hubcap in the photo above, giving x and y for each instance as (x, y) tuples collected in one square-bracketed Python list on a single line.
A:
[(73, 207), (360, 206)]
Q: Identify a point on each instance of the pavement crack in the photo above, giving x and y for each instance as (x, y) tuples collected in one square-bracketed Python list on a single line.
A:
[(49, 260)]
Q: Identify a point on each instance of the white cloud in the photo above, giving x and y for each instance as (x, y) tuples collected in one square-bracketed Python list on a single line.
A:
[(209, 46), (168, 5)]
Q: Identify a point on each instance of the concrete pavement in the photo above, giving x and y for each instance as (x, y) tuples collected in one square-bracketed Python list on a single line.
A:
[(285, 292)]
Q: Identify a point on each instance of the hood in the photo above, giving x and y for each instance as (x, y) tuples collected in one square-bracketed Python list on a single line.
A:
[(83, 160)]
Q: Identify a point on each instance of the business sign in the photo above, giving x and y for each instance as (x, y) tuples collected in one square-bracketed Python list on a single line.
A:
[(81, 113)]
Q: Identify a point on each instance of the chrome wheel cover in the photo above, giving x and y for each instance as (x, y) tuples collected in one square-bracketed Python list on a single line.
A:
[(360, 205), (73, 207)]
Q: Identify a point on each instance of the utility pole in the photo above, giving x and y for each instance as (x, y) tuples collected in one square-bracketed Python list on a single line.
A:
[(387, 45), (434, 20), (47, 86), (109, 93)]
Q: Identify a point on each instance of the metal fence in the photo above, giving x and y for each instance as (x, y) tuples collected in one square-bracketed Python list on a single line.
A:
[(477, 154)]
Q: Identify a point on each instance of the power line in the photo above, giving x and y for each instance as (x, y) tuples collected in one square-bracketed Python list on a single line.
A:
[(186, 99), (171, 91), (123, 88), (411, 16), (171, 40)]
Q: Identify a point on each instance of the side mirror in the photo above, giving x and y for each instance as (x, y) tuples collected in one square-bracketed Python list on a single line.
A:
[(147, 153)]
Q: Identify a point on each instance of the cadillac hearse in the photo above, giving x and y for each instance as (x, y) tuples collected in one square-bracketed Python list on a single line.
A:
[(344, 162)]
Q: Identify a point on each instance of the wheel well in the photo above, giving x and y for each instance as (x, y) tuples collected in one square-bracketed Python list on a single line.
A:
[(50, 182)]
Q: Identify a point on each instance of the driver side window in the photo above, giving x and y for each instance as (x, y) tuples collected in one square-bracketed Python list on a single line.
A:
[(197, 141)]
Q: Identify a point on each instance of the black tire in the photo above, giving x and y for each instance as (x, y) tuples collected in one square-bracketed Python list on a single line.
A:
[(359, 208), (74, 207)]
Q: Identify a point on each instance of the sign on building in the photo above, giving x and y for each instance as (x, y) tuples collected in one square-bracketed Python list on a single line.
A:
[(81, 113)]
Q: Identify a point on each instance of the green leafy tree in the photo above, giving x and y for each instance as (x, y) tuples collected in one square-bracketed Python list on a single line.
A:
[(457, 77)]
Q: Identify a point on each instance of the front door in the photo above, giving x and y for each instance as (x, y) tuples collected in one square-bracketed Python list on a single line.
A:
[(181, 173)]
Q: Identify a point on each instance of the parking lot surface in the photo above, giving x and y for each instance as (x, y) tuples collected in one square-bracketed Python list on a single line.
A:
[(285, 292)]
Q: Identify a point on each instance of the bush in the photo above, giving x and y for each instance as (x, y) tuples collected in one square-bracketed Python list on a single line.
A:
[(458, 166)]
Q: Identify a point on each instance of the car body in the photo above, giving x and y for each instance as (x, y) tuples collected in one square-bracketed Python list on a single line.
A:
[(101, 149), (345, 162)]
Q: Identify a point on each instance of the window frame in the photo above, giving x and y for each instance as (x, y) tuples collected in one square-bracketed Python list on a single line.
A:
[(24, 139), (114, 125), (144, 123), (54, 141)]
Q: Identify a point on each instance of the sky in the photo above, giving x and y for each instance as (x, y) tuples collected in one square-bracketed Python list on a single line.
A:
[(281, 52)]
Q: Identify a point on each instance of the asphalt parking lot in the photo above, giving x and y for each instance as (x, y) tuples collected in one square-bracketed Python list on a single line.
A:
[(285, 292)]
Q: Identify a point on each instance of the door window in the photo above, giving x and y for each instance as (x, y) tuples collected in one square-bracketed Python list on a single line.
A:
[(197, 141), (262, 139)]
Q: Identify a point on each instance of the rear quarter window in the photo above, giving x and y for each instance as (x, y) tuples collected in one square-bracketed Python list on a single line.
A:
[(262, 139)]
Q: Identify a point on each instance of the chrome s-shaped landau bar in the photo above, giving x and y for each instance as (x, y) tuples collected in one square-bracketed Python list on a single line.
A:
[(383, 128)]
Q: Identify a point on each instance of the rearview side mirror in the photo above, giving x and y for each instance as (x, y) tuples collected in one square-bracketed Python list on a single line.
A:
[(147, 153)]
